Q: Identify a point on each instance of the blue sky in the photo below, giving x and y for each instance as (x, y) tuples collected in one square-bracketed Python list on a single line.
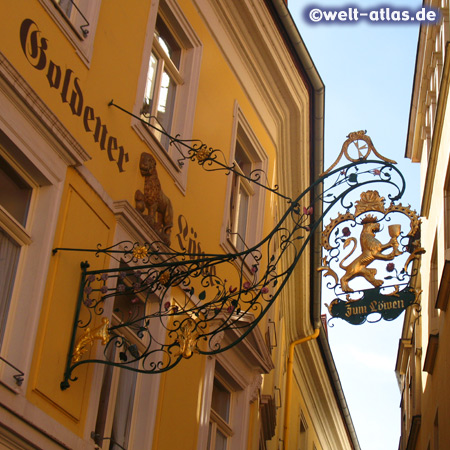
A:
[(367, 70)]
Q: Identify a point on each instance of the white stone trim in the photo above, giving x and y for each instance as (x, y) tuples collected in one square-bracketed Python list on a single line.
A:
[(84, 45), (185, 102)]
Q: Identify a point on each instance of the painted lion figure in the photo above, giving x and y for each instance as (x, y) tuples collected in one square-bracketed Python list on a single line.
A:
[(371, 250), (153, 199)]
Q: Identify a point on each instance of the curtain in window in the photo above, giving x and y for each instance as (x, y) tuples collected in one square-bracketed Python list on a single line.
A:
[(124, 408), (9, 256)]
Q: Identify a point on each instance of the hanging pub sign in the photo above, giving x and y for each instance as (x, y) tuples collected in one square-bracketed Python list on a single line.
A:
[(369, 254), (184, 302)]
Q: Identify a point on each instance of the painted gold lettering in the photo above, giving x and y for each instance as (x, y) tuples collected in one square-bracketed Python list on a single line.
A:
[(348, 311), (373, 306)]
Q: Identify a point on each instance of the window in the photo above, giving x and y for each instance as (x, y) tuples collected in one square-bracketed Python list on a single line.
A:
[(433, 290), (163, 77), (75, 15), (77, 19), (303, 435), (167, 88), (220, 417), (436, 432), (15, 198), (245, 198), (115, 411), (118, 391), (128, 401), (241, 196), (232, 383)]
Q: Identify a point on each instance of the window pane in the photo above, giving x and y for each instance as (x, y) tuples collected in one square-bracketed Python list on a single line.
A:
[(15, 193), (9, 256), (168, 42), (242, 160), (244, 201), (105, 394), (221, 400), (130, 309), (124, 408), (150, 86), (221, 441), (210, 429), (66, 6), (165, 106)]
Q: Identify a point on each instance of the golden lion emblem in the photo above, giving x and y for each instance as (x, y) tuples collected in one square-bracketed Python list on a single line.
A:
[(371, 250)]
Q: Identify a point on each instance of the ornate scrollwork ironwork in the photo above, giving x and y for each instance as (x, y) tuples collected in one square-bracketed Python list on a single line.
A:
[(151, 331)]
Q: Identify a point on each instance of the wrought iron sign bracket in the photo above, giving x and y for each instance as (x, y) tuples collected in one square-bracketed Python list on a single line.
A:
[(150, 332)]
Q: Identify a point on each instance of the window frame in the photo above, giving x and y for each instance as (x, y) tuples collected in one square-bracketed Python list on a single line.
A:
[(244, 136), (184, 105), (216, 421), (83, 43), (115, 374), (40, 146), (112, 376), (164, 64), (241, 371), (131, 226), (18, 233)]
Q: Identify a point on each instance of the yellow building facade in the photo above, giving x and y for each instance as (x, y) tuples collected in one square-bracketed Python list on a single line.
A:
[(92, 93), (423, 355)]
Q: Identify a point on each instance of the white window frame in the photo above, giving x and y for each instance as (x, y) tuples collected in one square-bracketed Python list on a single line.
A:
[(70, 26), (217, 422), (235, 379), (433, 288), (240, 368), (27, 137), (113, 394), (303, 433), (131, 226), (243, 133), (164, 65), (186, 95), (16, 232), (118, 372)]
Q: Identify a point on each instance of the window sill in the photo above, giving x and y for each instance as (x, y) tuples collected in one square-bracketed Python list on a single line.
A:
[(179, 174)]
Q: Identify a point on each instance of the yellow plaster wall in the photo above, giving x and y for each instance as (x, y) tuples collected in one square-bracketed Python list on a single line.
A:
[(84, 222), (299, 407), (179, 406)]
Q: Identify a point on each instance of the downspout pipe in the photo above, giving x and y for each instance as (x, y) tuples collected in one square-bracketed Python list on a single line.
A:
[(317, 138), (288, 388)]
